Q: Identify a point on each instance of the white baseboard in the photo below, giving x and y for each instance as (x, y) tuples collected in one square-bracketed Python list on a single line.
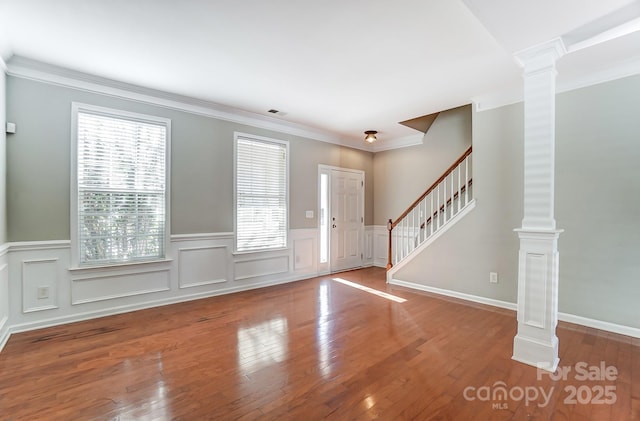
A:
[(634, 332), (455, 294), (565, 317)]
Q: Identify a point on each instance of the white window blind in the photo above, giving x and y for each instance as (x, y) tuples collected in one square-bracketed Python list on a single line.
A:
[(121, 182), (261, 194)]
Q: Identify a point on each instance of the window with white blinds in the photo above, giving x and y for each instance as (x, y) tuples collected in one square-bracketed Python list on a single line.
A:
[(121, 170), (261, 190)]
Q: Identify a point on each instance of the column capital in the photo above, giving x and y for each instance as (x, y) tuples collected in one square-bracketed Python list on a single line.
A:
[(541, 56), (538, 233)]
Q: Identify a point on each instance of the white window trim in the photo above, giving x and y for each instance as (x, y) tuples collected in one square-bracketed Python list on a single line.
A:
[(77, 107), (236, 135)]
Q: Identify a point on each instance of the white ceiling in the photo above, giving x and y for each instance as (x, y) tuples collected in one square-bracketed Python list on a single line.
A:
[(342, 67)]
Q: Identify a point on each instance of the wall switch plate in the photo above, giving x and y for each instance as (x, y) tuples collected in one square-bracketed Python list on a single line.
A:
[(43, 293), (309, 214), (493, 277)]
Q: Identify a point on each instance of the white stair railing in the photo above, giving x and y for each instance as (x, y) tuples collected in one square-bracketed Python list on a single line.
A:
[(436, 207)]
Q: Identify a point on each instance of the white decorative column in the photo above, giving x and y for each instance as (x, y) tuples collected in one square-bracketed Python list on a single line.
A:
[(536, 342)]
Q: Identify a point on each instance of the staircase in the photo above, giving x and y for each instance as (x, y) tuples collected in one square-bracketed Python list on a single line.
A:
[(435, 211)]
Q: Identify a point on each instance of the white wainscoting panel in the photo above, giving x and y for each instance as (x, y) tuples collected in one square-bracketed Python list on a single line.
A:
[(303, 254), (380, 245), (39, 274), (368, 246), (198, 266), (305, 251), (254, 267), (535, 284), (109, 287)]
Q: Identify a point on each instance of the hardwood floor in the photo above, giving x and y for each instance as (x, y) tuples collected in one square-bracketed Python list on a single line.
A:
[(314, 349)]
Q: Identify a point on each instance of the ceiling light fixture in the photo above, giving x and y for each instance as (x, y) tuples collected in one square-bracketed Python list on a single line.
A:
[(370, 136)]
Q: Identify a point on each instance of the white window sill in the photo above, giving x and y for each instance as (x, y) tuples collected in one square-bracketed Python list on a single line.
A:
[(250, 252), (120, 266)]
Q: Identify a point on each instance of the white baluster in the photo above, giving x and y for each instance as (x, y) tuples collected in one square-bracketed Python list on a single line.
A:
[(401, 233), (406, 237), (398, 242), (424, 231), (451, 214), (438, 209), (395, 249), (466, 180), (401, 239), (444, 199), (459, 193), (431, 215), (419, 233), (413, 228)]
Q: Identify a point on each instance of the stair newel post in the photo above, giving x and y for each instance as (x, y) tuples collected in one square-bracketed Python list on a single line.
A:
[(389, 262)]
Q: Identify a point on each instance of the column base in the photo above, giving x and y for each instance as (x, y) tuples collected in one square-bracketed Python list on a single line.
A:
[(535, 353)]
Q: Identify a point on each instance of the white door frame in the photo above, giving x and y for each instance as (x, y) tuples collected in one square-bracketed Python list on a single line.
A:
[(325, 267)]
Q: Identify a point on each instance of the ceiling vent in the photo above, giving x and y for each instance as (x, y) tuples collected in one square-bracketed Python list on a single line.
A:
[(276, 112)]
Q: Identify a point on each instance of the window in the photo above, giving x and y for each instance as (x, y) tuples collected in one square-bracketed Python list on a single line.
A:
[(120, 193), (261, 193)]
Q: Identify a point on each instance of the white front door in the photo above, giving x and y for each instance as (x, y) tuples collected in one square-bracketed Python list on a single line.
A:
[(346, 221)]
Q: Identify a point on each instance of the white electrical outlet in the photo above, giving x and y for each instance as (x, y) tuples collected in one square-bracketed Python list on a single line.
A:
[(493, 277), (43, 293)]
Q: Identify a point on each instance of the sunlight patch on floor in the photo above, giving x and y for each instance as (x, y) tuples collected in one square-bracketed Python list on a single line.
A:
[(371, 290)]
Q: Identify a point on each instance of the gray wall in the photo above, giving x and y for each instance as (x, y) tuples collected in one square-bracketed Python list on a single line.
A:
[(201, 164), (597, 203), (401, 175)]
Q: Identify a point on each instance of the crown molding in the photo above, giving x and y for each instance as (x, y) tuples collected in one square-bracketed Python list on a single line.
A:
[(26, 68), (621, 70), (497, 99)]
